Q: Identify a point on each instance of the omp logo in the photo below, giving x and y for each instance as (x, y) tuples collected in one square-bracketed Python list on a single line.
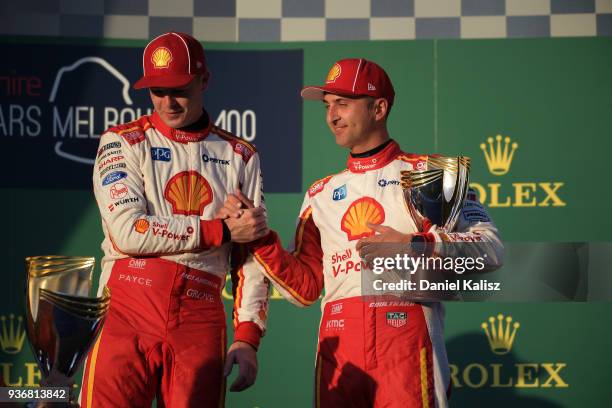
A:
[(337, 308), (500, 336), (13, 334), (499, 157), (500, 333), (137, 263)]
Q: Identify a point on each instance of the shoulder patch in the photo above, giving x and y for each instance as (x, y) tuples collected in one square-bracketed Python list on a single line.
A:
[(318, 186), (244, 149), (418, 161), (132, 132)]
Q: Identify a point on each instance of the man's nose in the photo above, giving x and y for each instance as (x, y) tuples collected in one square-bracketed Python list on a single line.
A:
[(332, 114), (169, 99)]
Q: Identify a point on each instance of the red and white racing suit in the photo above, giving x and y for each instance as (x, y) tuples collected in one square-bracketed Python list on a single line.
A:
[(158, 190), (382, 354)]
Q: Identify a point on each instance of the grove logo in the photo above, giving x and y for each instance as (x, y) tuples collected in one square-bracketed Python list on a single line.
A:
[(499, 155)]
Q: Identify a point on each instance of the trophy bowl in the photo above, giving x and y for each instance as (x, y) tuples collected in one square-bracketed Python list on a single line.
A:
[(63, 319), (437, 193), (435, 196)]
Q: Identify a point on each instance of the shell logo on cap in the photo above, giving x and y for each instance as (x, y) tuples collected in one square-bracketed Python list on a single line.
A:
[(359, 213), (161, 57), (333, 73), (188, 192)]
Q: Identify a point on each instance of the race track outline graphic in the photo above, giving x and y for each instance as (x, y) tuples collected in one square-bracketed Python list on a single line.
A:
[(96, 60)]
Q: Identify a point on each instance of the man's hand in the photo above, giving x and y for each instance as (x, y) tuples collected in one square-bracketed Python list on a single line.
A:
[(252, 224), (245, 222), (234, 205), (245, 356), (369, 247)]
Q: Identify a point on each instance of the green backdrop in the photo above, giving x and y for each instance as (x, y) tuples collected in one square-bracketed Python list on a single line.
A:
[(553, 97)]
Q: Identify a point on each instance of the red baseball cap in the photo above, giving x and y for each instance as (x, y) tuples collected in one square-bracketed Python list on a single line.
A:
[(171, 60), (354, 77)]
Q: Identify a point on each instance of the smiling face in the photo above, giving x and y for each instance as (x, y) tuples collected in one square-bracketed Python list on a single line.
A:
[(357, 122), (179, 107)]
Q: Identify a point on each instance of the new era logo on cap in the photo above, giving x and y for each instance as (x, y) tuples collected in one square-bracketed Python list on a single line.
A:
[(371, 87)]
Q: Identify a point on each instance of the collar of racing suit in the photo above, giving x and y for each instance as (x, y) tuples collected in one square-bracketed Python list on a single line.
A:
[(192, 133), (374, 161)]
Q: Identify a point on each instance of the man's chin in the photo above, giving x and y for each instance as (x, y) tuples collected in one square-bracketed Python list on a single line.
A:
[(174, 121), (342, 141)]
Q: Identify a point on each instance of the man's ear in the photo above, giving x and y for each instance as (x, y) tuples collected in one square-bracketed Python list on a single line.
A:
[(205, 77), (381, 107)]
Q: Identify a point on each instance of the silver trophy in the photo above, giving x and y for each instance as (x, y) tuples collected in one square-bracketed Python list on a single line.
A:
[(63, 319), (437, 193), (435, 196)]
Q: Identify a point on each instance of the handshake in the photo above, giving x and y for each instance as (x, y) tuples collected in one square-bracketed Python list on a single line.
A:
[(245, 222)]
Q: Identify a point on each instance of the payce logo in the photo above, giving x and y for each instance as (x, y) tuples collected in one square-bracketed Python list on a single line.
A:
[(501, 333), (499, 156)]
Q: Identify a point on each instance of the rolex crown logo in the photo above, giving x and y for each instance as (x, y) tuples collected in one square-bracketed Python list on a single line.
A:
[(13, 334), (500, 336), (499, 158)]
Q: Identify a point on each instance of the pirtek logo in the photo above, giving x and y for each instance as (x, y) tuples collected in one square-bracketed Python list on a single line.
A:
[(500, 334), (525, 194)]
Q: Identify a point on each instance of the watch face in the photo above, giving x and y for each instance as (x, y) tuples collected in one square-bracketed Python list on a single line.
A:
[(418, 244), (417, 239)]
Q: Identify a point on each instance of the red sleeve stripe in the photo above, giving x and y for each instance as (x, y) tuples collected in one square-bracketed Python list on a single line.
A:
[(281, 283), (300, 231), (238, 297)]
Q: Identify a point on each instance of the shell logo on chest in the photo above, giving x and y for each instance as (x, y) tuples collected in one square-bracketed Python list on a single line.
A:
[(358, 214), (188, 192)]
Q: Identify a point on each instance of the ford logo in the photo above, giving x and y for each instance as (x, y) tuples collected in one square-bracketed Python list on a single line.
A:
[(113, 177)]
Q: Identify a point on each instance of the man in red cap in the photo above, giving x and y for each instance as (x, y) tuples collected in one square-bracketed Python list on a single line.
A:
[(160, 182), (370, 354)]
